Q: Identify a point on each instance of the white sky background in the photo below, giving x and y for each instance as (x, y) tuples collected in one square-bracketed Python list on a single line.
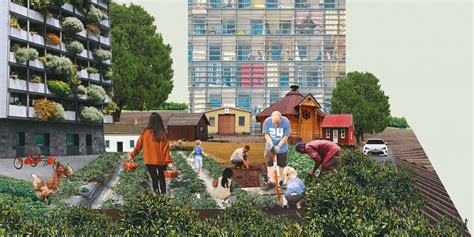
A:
[(422, 53)]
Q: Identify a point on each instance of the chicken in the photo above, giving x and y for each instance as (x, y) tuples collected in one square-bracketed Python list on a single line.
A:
[(45, 188)]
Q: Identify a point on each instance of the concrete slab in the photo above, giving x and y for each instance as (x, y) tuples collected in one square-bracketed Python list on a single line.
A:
[(44, 172)]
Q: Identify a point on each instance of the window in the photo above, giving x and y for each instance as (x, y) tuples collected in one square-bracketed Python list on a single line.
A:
[(41, 139), (284, 79), (199, 27), (343, 133), (226, 76), (72, 139), (329, 4), (215, 101), (272, 3), (241, 121), (228, 27), (285, 27), (257, 27), (216, 3), (243, 101), (214, 52), (201, 129), (107, 143), (190, 51), (243, 52), (276, 52), (132, 143), (243, 3), (20, 139), (301, 4), (273, 98), (212, 121), (303, 52), (328, 133)]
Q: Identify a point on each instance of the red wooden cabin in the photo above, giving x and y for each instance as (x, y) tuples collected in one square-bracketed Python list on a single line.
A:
[(338, 128)]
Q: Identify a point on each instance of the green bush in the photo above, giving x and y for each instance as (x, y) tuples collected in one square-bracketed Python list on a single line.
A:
[(96, 15), (96, 94), (91, 114), (22, 55), (16, 187), (59, 113), (73, 25), (75, 47), (59, 65), (59, 88), (132, 185), (40, 5), (109, 74), (81, 90), (396, 122), (92, 70), (101, 54), (110, 108)]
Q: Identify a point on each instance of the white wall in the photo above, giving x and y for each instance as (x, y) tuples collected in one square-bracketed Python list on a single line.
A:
[(4, 55), (124, 138)]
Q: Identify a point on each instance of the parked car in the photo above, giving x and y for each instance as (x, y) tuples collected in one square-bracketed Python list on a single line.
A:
[(375, 146)]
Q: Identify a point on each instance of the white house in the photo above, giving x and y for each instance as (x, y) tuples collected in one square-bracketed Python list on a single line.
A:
[(121, 137)]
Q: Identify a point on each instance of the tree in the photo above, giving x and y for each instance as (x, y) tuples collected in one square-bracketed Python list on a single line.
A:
[(141, 60), (360, 95), (173, 106)]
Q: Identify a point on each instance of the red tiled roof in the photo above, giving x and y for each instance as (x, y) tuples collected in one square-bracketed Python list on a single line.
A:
[(337, 121), (286, 106)]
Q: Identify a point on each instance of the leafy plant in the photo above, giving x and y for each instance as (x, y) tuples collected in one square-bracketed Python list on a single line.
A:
[(101, 54), (96, 94), (59, 88), (45, 109), (73, 25), (396, 122), (92, 70), (15, 76), (22, 55), (81, 90), (94, 28), (53, 38), (14, 23), (91, 114), (59, 65), (75, 47), (110, 108), (60, 113), (109, 74), (36, 79), (40, 5), (96, 15)]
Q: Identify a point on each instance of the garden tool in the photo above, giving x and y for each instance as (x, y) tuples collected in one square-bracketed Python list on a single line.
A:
[(275, 172)]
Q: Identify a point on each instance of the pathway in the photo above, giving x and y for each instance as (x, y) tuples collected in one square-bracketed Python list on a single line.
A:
[(107, 192)]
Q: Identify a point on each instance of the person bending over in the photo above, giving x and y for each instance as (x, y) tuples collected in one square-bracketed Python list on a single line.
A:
[(295, 189), (324, 153), (240, 157)]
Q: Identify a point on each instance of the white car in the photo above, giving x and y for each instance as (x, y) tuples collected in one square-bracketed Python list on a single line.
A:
[(375, 146)]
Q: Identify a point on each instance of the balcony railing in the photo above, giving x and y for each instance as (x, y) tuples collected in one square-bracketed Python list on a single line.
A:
[(36, 87), (31, 112), (83, 74), (21, 10), (82, 33), (53, 22), (68, 7), (91, 55), (107, 99), (94, 76), (92, 36), (83, 54), (20, 34), (18, 84), (12, 57), (37, 39), (35, 15), (70, 116), (17, 110), (108, 62), (37, 64), (105, 23), (108, 119), (105, 40), (103, 4)]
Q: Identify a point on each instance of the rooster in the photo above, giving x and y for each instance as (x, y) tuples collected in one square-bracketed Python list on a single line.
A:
[(45, 188)]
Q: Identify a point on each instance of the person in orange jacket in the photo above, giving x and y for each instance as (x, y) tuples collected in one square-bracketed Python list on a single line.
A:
[(156, 151)]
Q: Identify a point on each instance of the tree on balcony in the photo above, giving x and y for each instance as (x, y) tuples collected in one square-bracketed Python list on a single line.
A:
[(142, 72)]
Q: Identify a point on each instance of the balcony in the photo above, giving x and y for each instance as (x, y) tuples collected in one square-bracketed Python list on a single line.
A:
[(35, 15), (105, 23), (20, 34), (94, 76), (83, 74), (36, 87), (17, 110), (92, 36), (70, 116), (58, 47), (20, 10), (31, 112), (18, 84), (37, 39), (53, 22), (82, 33), (108, 119), (103, 4), (12, 58), (37, 64), (105, 40), (68, 7), (91, 55), (83, 54)]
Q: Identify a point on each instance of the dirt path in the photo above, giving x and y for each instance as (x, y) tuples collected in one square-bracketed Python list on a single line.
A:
[(205, 176), (106, 191)]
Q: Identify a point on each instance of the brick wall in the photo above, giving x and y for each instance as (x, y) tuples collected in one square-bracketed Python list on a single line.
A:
[(57, 132)]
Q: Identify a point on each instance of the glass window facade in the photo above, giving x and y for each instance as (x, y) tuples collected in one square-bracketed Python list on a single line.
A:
[(258, 48)]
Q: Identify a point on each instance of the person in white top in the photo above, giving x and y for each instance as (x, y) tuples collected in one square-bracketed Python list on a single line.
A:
[(240, 157), (223, 189)]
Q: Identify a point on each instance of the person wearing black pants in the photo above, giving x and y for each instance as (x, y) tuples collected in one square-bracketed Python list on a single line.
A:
[(156, 152)]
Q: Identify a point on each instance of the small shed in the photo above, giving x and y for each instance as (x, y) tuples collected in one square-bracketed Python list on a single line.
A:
[(304, 113), (179, 125), (338, 128), (121, 137), (229, 121)]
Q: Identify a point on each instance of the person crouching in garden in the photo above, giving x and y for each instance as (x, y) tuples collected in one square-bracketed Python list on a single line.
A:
[(156, 151), (198, 152), (223, 190), (295, 189), (324, 153), (240, 157)]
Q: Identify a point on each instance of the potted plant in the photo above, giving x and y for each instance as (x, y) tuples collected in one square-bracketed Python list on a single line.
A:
[(59, 88), (91, 114), (72, 25), (53, 39), (75, 47), (102, 55), (96, 94), (59, 65), (22, 55)]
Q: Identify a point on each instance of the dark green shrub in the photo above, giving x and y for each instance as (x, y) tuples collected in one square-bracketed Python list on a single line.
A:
[(59, 88)]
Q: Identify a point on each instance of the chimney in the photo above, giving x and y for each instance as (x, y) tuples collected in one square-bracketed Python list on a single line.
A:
[(294, 88)]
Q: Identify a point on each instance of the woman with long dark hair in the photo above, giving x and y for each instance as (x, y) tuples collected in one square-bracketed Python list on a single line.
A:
[(223, 189), (156, 151)]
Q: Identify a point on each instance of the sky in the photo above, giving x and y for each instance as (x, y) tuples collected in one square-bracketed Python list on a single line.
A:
[(421, 50)]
